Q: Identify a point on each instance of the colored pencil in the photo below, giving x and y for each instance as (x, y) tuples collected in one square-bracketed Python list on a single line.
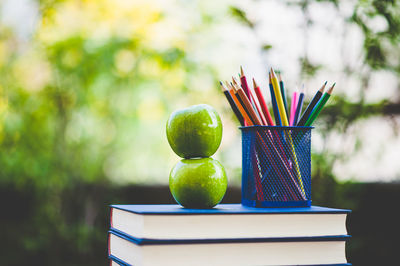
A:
[(255, 105), (276, 146), (285, 122), (280, 153), (279, 99), (274, 104), (263, 104), (318, 108), (246, 89), (282, 86), (299, 106), (239, 105), (247, 105), (311, 106), (293, 107), (257, 109), (232, 104), (243, 82)]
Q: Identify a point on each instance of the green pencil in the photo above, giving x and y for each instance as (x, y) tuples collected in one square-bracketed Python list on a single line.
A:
[(317, 109)]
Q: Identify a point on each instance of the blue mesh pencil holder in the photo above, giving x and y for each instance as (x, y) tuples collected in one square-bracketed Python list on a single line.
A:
[(276, 166)]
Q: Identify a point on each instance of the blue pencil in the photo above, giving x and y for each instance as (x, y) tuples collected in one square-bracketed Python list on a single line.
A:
[(299, 106), (278, 121)]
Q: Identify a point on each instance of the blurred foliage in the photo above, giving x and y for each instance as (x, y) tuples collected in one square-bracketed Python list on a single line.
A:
[(380, 52), (307, 68), (381, 47), (81, 103), (241, 16)]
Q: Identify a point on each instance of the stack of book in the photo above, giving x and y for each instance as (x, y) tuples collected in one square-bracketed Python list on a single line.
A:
[(229, 234)]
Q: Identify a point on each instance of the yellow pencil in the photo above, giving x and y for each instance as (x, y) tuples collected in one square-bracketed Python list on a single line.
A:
[(279, 100), (285, 122)]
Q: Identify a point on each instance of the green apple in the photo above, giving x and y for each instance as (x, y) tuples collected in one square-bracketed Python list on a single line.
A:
[(198, 183), (195, 131)]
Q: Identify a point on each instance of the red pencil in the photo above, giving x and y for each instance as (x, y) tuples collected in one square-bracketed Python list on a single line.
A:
[(263, 104), (261, 115), (243, 82)]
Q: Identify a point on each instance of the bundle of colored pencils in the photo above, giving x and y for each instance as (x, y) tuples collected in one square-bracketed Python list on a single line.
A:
[(276, 147), (251, 110)]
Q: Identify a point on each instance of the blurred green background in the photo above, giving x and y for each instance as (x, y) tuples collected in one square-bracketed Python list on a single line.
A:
[(86, 88)]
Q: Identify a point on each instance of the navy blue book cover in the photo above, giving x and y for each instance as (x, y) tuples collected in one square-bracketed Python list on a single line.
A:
[(170, 209), (122, 263)]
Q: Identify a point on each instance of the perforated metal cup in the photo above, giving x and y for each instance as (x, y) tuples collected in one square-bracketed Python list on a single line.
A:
[(276, 166)]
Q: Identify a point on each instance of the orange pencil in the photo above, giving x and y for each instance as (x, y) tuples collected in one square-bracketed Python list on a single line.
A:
[(239, 106), (248, 106)]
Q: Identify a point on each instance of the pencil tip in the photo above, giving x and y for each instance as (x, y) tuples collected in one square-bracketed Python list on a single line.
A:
[(241, 71), (273, 73), (233, 80), (280, 77), (323, 87), (331, 88), (301, 90), (254, 83)]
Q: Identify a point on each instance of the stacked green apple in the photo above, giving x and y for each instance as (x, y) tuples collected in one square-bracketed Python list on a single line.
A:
[(195, 133)]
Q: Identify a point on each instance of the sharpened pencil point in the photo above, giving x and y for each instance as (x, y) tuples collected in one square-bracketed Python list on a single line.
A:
[(254, 83), (331, 89), (323, 87), (241, 71), (273, 75), (223, 88), (228, 85), (279, 76), (233, 87), (233, 80)]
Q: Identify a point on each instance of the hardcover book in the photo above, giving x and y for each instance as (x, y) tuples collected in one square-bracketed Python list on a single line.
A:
[(325, 250), (226, 221)]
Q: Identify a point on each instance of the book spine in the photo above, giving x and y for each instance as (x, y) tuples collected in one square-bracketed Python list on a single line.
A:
[(109, 244), (111, 216)]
